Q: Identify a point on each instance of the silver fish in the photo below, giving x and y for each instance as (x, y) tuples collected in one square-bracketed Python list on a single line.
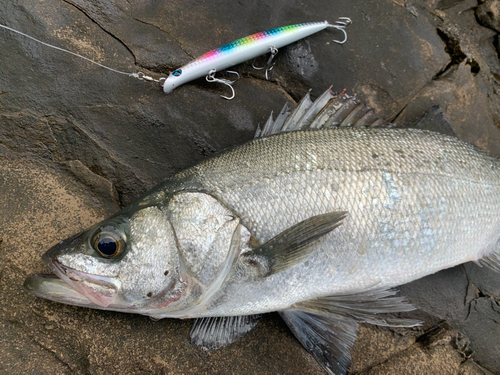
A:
[(317, 218)]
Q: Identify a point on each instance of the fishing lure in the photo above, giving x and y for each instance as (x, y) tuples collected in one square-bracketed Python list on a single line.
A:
[(228, 55), (245, 49)]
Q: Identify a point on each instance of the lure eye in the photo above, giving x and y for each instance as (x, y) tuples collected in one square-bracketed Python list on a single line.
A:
[(177, 72), (108, 242)]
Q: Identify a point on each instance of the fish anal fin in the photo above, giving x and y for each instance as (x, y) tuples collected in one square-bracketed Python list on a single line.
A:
[(215, 332), (293, 245), (328, 340), (327, 326)]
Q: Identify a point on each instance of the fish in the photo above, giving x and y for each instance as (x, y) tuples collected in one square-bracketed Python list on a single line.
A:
[(319, 218)]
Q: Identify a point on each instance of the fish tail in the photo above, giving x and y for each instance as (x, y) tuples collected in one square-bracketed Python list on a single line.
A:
[(492, 260)]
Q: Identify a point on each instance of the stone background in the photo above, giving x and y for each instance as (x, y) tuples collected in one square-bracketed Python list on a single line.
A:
[(78, 142)]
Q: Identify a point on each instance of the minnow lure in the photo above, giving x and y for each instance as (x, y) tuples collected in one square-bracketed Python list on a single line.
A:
[(245, 49), (228, 55)]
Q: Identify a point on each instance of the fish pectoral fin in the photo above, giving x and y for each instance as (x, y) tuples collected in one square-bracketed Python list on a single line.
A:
[(293, 245), (216, 332), (327, 327)]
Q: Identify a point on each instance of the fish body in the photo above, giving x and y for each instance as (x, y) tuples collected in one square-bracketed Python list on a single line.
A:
[(417, 202), (318, 218), (244, 49)]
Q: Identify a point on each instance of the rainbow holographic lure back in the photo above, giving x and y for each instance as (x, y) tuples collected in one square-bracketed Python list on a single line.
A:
[(247, 48)]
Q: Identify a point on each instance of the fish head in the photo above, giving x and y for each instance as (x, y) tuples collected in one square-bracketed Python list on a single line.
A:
[(153, 258), (129, 262)]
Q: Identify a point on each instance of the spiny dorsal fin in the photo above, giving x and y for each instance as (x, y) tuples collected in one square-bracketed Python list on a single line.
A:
[(327, 327), (273, 127), (214, 333), (309, 116), (293, 245), (297, 114), (327, 111)]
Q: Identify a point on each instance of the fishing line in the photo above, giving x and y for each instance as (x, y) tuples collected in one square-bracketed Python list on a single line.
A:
[(138, 75)]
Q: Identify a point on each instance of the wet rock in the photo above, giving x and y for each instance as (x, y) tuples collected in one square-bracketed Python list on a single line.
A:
[(496, 44), (482, 320), (452, 296), (488, 14), (436, 353), (467, 107), (445, 4), (467, 89), (384, 342)]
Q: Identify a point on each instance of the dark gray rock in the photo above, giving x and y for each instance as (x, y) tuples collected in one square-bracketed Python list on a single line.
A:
[(453, 295), (78, 141), (488, 14)]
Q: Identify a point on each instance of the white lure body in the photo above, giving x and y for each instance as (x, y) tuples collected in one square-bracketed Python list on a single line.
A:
[(241, 50)]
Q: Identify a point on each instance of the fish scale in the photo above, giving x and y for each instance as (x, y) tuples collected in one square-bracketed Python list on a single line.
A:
[(419, 182)]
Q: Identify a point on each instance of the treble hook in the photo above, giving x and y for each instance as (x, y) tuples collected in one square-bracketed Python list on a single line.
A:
[(211, 78), (268, 67), (341, 24)]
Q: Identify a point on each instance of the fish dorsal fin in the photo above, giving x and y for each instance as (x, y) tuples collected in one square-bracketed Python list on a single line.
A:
[(274, 126), (294, 118), (293, 245), (214, 333), (327, 111), (327, 327)]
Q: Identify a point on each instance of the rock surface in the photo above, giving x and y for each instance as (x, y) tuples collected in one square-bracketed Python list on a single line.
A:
[(77, 142)]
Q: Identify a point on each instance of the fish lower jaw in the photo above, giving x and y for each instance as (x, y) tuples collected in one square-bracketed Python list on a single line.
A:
[(54, 289), (99, 290)]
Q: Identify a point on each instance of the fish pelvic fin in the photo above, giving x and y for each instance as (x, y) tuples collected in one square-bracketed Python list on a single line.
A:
[(215, 332), (327, 327), (329, 110), (293, 245)]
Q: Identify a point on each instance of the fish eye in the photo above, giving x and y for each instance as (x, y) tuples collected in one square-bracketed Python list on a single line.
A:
[(177, 72), (108, 242)]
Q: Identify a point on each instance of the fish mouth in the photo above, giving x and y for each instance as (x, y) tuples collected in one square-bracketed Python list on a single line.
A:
[(53, 288), (73, 287)]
